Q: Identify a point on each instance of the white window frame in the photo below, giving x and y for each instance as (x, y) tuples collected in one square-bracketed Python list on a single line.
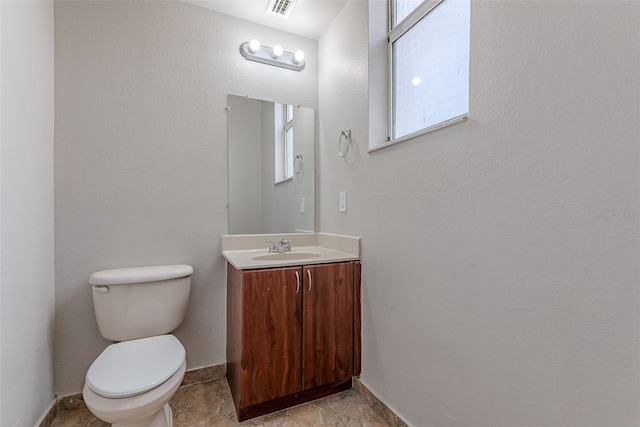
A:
[(288, 119), (284, 116), (395, 31)]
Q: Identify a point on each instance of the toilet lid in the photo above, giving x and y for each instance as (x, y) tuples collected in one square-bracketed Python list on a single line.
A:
[(134, 367)]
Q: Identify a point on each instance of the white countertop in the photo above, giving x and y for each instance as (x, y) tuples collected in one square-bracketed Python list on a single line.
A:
[(250, 251)]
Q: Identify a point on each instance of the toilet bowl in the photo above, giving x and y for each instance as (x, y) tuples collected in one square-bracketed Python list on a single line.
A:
[(131, 382)]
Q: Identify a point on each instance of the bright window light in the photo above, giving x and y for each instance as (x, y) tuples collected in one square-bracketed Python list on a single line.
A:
[(430, 66)]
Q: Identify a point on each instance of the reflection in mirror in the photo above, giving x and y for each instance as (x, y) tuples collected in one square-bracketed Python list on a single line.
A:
[(271, 167)]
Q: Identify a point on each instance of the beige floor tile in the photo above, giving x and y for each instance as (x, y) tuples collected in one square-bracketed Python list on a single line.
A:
[(209, 404), (223, 422), (354, 410), (199, 404), (78, 418), (312, 414)]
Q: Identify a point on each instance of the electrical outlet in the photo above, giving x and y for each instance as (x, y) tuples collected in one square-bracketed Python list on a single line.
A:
[(343, 201)]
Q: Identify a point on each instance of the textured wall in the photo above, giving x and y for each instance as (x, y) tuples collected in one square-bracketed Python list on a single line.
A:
[(26, 215), (141, 156), (500, 256)]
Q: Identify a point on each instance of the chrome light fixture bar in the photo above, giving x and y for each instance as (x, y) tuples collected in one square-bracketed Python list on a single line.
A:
[(254, 51)]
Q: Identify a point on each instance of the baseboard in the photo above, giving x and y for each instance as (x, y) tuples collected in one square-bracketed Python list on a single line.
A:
[(208, 373), (49, 415), (70, 403), (198, 375), (378, 406), (291, 400)]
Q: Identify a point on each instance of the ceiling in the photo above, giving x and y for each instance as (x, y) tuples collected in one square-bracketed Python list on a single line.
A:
[(309, 18)]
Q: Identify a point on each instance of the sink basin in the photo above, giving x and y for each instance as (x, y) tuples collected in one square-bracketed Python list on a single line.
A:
[(286, 256)]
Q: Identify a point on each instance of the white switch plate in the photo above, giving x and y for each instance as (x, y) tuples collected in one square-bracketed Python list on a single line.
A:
[(302, 204), (343, 201)]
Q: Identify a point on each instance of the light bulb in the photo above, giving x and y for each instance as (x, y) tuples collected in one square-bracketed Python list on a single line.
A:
[(416, 81), (276, 51), (298, 57), (254, 46)]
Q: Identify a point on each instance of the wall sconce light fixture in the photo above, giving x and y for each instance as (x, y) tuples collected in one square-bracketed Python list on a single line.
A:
[(254, 51)]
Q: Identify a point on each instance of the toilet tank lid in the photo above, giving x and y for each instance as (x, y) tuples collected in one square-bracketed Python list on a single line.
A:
[(122, 276)]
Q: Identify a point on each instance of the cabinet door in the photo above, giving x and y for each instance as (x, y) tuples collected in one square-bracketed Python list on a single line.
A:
[(327, 343), (272, 331)]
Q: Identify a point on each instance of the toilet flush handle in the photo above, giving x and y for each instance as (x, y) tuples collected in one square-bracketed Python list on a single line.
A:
[(101, 288)]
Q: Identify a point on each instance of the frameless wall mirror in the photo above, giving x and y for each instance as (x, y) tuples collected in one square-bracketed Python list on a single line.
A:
[(271, 167)]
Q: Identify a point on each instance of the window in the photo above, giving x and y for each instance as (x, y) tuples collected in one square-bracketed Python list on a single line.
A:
[(283, 142), (429, 65)]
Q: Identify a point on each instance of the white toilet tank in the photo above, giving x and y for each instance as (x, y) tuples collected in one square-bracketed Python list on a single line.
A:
[(132, 303)]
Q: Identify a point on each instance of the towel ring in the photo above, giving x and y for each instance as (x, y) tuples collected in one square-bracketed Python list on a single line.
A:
[(347, 136), (298, 164)]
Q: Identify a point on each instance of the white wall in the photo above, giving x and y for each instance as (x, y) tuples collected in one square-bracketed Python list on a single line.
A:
[(26, 214), (500, 256), (141, 156)]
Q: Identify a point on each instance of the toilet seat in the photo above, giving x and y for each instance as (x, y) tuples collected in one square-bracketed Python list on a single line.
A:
[(130, 368), (130, 411)]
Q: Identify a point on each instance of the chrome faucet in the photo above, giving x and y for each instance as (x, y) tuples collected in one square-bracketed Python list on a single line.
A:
[(285, 245), (273, 248)]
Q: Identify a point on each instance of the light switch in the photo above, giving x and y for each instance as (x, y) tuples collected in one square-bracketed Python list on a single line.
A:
[(343, 201), (302, 204)]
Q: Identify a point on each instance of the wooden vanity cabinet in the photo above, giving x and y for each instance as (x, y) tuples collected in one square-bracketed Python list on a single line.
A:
[(327, 343), (293, 334)]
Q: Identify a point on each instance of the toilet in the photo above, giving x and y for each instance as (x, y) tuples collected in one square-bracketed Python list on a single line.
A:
[(131, 382)]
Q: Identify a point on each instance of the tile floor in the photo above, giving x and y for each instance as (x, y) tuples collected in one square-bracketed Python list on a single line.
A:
[(209, 404)]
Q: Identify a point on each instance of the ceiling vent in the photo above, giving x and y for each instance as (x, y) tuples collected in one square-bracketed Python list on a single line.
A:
[(281, 8)]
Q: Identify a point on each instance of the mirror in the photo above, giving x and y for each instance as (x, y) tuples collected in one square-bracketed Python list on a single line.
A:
[(271, 167)]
